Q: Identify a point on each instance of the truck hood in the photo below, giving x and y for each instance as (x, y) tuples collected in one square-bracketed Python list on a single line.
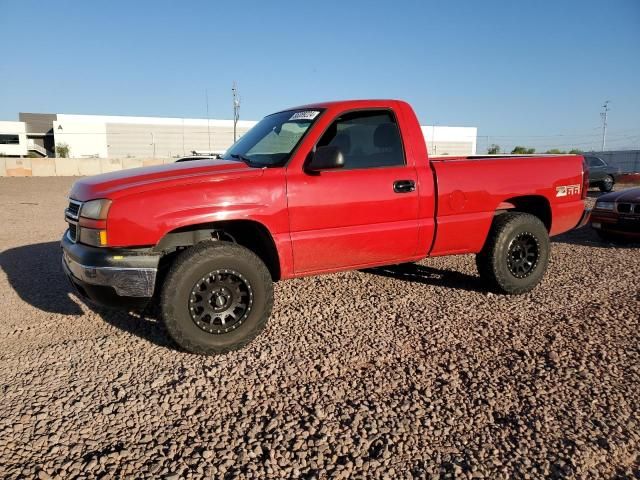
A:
[(124, 182)]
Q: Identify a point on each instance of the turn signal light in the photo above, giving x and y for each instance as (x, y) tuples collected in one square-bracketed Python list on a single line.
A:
[(93, 237)]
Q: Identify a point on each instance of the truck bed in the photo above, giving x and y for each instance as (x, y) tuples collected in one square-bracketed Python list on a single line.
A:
[(471, 189), (497, 157)]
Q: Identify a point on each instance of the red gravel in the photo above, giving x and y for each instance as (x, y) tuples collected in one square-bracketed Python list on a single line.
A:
[(401, 372)]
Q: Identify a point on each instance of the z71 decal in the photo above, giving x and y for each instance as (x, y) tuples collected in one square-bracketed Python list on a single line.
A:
[(566, 190)]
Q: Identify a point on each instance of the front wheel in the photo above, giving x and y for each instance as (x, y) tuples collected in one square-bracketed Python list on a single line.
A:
[(516, 253), (607, 184), (216, 298)]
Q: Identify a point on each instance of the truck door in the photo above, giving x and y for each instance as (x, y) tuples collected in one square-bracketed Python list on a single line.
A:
[(362, 214)]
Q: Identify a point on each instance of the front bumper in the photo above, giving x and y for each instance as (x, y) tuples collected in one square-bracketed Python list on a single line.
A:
[(616, 223), (108, 276)]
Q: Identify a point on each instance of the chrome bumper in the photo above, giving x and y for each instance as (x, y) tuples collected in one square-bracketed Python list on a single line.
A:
[(126, 281)]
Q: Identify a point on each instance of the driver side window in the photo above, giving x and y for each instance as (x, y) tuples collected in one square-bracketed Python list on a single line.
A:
[(367, 139)]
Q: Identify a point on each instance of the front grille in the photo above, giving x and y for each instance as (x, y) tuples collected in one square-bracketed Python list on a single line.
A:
[(636, 209), (624, 208), (629, 224), (73, 209), (73, 232)]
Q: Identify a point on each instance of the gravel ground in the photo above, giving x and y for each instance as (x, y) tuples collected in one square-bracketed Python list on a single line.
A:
[(414, 372)]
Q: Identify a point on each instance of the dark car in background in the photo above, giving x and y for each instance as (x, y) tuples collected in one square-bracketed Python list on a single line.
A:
[(616, 215), (601, 174)]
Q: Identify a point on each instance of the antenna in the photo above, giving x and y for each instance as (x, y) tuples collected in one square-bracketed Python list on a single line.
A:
[(604, 114), (236, 109)]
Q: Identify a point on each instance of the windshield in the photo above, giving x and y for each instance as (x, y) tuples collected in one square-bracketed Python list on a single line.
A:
[(272, 140)]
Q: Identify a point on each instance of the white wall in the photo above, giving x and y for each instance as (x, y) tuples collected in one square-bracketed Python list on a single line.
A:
[(14, 128), (107, 136), (85, 139), (450, 140)]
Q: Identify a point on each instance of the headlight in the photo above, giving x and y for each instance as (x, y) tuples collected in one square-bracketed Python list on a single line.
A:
[(605, 206), (91, 236), (96, 209)]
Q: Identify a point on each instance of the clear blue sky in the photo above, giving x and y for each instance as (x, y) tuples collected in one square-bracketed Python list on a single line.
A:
[(533, 73)]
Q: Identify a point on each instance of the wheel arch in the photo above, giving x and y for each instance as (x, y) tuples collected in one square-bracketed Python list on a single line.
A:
[(249, 233), (536, 205)]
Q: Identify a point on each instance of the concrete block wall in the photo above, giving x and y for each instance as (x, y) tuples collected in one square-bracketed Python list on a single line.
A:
[(17, 167), (131, 163), (110, 165), (64, 168), (43, 167), (71, 167), (88, 166), (155, 161)]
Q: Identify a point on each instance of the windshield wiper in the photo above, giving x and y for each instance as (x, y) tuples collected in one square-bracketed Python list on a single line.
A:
[(246, 160)]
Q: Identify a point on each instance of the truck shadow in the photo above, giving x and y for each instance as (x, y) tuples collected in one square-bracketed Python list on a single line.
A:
[(35, 274), (413, 272), (587, 237)]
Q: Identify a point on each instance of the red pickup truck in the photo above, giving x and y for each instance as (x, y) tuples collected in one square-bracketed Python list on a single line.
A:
[(309, 190)]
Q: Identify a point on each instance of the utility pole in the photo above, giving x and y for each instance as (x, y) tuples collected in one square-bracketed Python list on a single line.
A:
[(236, 109), (605, 111), (206, 93), (153, 143)]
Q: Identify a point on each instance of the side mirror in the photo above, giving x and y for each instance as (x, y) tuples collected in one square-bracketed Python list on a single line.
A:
[(326, 158)]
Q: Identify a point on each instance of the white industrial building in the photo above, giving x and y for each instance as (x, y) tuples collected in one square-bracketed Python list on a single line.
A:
[(100, 136), (444, 141), (13, 139)]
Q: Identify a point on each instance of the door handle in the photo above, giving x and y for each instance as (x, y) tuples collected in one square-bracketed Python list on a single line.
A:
[(404, 186)]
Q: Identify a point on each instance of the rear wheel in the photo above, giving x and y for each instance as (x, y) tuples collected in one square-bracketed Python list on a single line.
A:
[(607, 184), (516, 253), (217, 297)]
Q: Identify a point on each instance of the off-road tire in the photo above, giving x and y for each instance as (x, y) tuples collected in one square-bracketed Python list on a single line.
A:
[(190, 267), (493, 261), (607, 184)]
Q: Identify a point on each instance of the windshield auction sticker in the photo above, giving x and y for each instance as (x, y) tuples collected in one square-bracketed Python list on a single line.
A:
[(305, 115)]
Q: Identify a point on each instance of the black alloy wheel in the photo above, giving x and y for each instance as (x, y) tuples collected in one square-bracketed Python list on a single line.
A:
[(523, 254), (220, 301)]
